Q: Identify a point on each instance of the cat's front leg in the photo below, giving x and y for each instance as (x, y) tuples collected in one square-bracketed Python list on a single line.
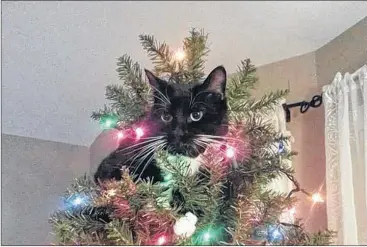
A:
[(149, 171), (110, 168)]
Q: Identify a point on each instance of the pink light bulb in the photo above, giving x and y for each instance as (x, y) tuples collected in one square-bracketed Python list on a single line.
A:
[(120, 135), (230, 152), (139, 132)]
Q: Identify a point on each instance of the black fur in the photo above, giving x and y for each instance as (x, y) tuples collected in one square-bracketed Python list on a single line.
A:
[(176, 102)]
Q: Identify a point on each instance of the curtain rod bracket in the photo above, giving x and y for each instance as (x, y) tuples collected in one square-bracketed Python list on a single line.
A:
[(315, 102)]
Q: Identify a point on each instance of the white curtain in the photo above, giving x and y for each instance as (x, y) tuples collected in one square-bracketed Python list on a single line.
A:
[(345, 102), (277, 119), (282, 183)]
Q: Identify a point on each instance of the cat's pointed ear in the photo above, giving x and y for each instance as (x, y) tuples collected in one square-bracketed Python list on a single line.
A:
[(216, 81), (154, 81)]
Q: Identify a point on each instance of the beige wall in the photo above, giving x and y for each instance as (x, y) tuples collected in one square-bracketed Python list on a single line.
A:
[(345, 53), (34, 175), (299, 75), (304, 76)]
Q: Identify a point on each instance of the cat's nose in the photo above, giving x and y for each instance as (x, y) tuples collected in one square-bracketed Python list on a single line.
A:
[(179, 133)]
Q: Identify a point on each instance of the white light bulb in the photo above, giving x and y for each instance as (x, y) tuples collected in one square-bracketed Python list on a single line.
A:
[(317, 198), (111, 192), (185, 226), (180, 55)]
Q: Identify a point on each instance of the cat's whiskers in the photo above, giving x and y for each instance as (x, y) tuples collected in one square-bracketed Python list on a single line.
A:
[(147, 140), (149, 151), (152, 150), (145, 149), (162, 105), (193, 100), (200, 144), (140, 153), (160, 147), (202, 102), (221, 137), (219, 143), (191, 94), (143, 156), (201, 141), (238, 150), (164, 101), (159, 109), (141, 148), (164, 97), (195, 146), (152, 137), (209, 141)]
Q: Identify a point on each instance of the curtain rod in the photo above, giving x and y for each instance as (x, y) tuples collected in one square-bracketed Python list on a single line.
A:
[(315, 102)]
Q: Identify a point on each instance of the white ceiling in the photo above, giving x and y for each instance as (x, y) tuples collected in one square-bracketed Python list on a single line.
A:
[(57, 57)]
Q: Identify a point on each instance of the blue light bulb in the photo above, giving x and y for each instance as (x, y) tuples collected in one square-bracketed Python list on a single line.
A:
[(281, 147), (77, 201), (276, 234)]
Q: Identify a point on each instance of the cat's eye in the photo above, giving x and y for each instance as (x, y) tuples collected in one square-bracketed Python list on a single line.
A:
[(166, 117), (196, 116)]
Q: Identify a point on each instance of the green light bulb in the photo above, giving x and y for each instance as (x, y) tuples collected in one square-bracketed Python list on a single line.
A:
[(168, 177), (206, 237), (108, 122), (209, 236)]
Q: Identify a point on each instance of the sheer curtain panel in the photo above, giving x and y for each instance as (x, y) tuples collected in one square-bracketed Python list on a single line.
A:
[(346, 156)]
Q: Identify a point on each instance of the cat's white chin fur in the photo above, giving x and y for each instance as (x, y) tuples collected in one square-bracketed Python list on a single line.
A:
[(194, 163)]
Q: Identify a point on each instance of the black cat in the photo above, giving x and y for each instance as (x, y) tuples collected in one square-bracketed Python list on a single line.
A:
[(184, 119)]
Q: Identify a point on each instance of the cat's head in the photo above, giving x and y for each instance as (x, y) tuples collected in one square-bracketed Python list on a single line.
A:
[(190, 115)]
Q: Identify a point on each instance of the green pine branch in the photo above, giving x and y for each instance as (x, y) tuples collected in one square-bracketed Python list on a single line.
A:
[(251, 107), (131, 74), (81, 186), (267, 102), (106, 111), (122, 105), (78, 224), (160, 54), (242, 82), (119, 233), (196, 49), (320, 238)]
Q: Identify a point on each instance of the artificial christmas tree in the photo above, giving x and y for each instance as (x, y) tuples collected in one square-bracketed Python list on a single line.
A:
[(129, 211)]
